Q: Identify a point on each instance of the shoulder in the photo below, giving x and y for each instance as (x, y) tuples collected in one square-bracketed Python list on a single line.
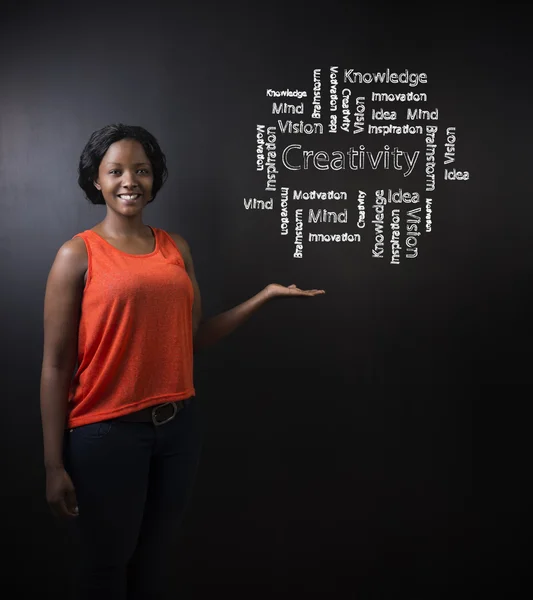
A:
[(73, 251), (182, 245), (71, 260), (180, 242)]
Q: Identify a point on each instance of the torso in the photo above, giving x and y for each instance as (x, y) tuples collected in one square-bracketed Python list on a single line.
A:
[(144, 245)]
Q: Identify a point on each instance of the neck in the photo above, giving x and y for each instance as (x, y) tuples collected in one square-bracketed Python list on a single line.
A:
[(119, 226)]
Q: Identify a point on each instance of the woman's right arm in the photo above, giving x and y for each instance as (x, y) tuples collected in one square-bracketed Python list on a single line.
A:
[(62, 306)]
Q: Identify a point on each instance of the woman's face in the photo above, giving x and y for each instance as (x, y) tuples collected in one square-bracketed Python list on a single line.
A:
[(125, 171)]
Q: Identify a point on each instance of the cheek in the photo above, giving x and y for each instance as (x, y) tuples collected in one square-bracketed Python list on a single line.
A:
[(104, 182)]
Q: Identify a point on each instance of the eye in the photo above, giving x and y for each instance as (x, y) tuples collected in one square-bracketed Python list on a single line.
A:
[(118, 170)]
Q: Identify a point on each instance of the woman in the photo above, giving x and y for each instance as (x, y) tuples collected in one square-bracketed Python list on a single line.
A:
[(122, 437)]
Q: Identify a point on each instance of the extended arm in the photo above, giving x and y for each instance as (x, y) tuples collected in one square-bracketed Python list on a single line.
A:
[(210, 331), (218, 327)]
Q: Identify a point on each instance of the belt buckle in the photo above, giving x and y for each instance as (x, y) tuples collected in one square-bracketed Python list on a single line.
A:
[(155, 408)]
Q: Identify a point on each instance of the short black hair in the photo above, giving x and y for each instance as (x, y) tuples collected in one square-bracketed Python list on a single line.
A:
[(97, 146)]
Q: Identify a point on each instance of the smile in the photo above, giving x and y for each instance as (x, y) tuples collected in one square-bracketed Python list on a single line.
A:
[(129, 196)]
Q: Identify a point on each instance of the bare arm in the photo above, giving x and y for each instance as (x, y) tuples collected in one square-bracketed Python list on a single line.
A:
[(189, 267), (206, 333), (62, 304), (214, 329), (218, 327)]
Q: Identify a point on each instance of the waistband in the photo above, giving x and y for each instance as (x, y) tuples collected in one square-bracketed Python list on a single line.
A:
[(158, 415)]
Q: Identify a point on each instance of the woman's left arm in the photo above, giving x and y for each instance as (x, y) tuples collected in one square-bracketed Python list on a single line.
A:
[(185, 251), (206, 333)]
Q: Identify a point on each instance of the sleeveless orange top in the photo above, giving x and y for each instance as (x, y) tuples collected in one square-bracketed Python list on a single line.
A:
[(135, 344)]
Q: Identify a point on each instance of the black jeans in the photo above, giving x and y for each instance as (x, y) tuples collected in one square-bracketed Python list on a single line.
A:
[(132, 483)]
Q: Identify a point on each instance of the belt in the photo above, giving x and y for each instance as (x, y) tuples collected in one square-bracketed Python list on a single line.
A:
[(158, 415)]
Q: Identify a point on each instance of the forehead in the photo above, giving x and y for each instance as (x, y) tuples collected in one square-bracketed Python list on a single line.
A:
[(125, 152)]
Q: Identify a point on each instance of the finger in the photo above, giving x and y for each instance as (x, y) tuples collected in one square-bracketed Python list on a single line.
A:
[(70, 499), (68, 511), (307, 292), (71, 503)]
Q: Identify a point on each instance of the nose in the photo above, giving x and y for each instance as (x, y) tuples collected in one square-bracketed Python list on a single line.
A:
[(129, 180)]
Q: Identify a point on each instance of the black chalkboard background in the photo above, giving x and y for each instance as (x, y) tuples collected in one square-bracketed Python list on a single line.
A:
[(363, 444)]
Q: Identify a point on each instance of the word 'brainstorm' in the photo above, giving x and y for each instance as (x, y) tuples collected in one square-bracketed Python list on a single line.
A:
[(391, 222)]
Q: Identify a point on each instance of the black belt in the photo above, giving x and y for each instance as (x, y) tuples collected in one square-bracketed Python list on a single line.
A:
[(158, 415)]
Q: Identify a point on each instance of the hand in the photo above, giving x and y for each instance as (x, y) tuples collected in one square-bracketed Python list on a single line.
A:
[(60, 493), (274, 290)]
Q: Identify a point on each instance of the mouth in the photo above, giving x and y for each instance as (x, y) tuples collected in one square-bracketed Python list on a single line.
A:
[(129, 198)]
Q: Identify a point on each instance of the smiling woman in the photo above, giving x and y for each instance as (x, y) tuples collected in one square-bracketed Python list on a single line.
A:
[(129, 183), (122, 437), (108, 147)]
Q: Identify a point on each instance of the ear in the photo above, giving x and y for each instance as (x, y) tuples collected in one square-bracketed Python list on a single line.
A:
[(97, 185)]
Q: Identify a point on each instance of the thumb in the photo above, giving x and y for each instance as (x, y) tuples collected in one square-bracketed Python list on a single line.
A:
[(71, 502)]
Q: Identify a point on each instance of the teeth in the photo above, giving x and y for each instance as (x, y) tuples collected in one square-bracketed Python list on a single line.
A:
[(128, 197)]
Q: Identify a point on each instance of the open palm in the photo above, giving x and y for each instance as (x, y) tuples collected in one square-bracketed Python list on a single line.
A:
[(275, 289)]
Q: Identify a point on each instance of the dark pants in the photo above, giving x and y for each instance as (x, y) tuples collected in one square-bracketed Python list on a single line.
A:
[(132, 483)]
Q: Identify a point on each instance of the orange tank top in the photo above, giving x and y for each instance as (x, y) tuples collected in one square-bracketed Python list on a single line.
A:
[(135, 345)]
